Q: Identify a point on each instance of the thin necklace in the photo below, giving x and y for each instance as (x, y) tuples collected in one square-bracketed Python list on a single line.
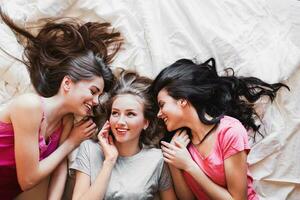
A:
[(205, 136)]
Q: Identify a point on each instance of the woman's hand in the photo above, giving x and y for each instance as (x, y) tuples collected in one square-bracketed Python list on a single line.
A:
[(177, 155), (106, 141), (181, 137), (82, 130)]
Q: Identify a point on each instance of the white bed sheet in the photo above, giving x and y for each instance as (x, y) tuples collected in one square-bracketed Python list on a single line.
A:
[(256, 38)]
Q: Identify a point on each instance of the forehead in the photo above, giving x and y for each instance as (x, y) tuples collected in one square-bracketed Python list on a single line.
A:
[(128, 101), (163, 94), (95, 81)]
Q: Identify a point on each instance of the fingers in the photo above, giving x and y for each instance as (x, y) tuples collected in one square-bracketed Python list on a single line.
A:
[(173, 147), (177, 133), (178, 144), (84, 123), (104, 130), (168, 151), (79, 123), (167, 160), (105, 127), (91, 128), (168, 154), (170, 146), (182, 137), (183, 134), (183, 142), (102, 140), (186, 142), (110, 140), (104, 136)]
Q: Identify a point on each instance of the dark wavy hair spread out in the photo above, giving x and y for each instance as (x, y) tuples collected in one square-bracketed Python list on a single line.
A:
[(128, 82), (212, 94), (66, 47)]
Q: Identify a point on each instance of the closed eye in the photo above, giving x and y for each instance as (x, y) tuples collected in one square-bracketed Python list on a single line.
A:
[(161, 104), (94, 90)]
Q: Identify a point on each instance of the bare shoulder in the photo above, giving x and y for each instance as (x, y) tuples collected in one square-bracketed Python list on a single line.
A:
[(26, 101), (29, 104), (26, 114)]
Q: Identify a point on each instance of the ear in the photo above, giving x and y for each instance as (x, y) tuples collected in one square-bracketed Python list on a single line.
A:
[(183, 102), (66, 83)]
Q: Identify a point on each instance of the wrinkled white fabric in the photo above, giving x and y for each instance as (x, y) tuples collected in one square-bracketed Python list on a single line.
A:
[(256, 38)]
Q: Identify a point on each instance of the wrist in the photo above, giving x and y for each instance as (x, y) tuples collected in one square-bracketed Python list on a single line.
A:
[(190, 167), (71, 143), (109, 162)]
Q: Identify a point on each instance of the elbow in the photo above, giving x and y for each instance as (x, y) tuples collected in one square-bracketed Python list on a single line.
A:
[(26, 184), (244, 197)]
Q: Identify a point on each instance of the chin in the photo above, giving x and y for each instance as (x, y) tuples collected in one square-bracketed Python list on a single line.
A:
[(170, 129), (120, 140), (84, 113)]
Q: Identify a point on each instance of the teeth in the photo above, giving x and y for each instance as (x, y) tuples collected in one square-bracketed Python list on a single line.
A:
[(121, 130), (89, 107)]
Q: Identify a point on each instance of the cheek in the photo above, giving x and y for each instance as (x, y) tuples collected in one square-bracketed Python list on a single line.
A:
[(173, 114), (112, 120), (169, 110), (137, 124)]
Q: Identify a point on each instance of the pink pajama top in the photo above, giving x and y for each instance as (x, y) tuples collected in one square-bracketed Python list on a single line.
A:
[(231, 138), (9, 186)]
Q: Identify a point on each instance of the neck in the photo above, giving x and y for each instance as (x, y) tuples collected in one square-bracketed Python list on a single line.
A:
[(55, 109), (127, 149), (198, 129)]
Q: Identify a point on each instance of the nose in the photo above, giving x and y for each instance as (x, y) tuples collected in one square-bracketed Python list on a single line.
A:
[(159, 114), (121, 120), (95, 100)]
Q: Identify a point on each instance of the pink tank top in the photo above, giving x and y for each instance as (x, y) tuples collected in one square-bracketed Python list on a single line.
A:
[(231, 138), (9, 187)]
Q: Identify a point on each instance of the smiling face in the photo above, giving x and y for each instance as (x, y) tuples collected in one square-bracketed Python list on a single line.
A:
[(127, 119), (83, 95), (170, 111)]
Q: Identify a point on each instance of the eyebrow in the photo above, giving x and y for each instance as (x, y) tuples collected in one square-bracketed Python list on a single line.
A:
[(125, 110), (98, 90)]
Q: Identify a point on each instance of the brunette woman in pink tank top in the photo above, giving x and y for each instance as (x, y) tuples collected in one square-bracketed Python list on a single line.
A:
[(67, 63), (211, 115)]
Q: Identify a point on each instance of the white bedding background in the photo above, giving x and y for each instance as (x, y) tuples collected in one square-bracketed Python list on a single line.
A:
[(257, 38)]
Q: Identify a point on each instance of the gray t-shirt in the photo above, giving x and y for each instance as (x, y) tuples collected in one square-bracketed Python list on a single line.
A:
[(140, 176)]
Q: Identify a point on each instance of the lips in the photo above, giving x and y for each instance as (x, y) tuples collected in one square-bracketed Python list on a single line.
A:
[(121, 131), (165, 120), (89, 108)]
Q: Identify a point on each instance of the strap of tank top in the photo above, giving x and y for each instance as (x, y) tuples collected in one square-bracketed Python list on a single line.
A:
[(43, 107), (43, 113)]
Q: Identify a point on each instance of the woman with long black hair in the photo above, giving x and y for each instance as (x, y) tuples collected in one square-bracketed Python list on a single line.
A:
[(211, 115)]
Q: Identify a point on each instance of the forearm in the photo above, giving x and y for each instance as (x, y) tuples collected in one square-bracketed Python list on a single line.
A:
[(213, 190), (47, 166), (98, 189), (57, 182), (181, 189)]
